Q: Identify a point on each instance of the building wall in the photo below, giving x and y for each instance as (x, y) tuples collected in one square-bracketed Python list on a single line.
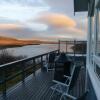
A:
[(91, 95)]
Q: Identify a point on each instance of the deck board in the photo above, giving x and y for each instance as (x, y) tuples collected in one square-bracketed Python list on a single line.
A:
[(38, 87)]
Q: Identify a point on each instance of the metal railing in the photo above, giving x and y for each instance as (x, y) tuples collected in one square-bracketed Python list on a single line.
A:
[(11, 70), (73, 47), (20, 68)]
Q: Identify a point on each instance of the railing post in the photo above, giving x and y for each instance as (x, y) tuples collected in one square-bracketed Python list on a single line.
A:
[(66, 46), (41, 61), (47, 57), (34, 66), (4, 82), (23, 71), (59, 46), (74, 48)]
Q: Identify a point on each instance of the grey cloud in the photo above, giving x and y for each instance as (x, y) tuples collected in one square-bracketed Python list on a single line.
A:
[(22, 33), (7, 20), (57, 6), (61, 6), (65, 7), (24, 2)]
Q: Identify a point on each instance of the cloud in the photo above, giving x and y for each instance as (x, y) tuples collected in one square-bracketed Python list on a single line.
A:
[(73, 32), (19, 12), (64, 6), (38, 27), (57, 3), (24, 2), (16, 30), (56, 20), (8, 26), (61, 26)]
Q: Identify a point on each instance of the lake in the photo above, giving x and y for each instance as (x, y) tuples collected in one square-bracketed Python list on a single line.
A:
[(34, 50)]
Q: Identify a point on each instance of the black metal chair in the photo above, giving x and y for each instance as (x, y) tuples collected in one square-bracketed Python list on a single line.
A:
[(50, 62), (70, 97), (63, 88), (62, 69)]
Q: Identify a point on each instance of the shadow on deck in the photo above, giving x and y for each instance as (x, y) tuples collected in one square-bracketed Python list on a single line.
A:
[(38, 87)]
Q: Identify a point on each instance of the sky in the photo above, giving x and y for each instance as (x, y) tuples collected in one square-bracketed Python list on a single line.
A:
[(41, 19)]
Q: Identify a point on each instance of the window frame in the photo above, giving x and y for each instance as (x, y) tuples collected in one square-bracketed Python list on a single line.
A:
[(96, 58)]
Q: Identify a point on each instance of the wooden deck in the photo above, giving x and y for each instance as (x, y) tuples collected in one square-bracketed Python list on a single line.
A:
[(38, 87)]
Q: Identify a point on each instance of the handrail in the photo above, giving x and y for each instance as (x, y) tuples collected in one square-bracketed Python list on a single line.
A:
[(74, 43), (26, 59), (71, 42), (22, 69)]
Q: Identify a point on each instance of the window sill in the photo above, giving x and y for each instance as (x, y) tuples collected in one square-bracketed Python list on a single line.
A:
[(94, 79)]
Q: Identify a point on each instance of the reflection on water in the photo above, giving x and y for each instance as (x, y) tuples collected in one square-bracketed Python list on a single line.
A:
[(32, 50), (67, 48)]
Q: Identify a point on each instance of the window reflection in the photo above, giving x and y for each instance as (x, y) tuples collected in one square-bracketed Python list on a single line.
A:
[(98, 39), (98, 71)]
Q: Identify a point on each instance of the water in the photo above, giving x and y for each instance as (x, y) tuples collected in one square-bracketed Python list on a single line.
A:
[(32, 50)]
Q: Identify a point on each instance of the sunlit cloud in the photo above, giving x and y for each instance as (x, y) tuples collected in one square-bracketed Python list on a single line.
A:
[(50, 19), (24, 2), (19, 12), (38, 27), (9, 26), (56, 20), (16, 30), (74, 33)]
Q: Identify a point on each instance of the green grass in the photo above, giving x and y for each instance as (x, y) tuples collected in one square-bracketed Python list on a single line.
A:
[(6, 57), (18, 78)]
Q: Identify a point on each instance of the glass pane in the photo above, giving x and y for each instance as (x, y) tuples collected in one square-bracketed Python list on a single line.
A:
[(97, 71), (98, 40), (92, 42)]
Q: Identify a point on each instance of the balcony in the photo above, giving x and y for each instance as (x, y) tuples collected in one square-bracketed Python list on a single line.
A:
[(35, 81), (38, 87)]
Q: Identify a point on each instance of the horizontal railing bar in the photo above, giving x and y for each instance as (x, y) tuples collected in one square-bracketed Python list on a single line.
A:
[(13, 76), (26, 59), (3, 81), (28, 68), (23, 71), (75, 53), (74, 41), (18, 73)]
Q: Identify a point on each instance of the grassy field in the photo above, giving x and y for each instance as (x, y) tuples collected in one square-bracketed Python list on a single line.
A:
[(6, 57), (18, 78)]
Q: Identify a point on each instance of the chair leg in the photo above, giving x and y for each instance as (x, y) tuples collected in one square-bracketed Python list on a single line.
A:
[(64, 98), (52, 95), (47, 67), (61, 97)]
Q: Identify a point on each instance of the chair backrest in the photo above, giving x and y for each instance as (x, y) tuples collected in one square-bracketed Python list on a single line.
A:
[(62, 69), (51, 57), (67, 68), (83, 97), (74, 76)]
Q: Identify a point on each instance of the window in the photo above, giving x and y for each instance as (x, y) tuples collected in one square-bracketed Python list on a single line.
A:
[(97, 70), (92, 41), (98, 37), (96, 45)]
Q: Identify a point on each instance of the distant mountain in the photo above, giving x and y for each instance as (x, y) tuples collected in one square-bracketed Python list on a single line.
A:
[(13, 42), (8, 41)]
